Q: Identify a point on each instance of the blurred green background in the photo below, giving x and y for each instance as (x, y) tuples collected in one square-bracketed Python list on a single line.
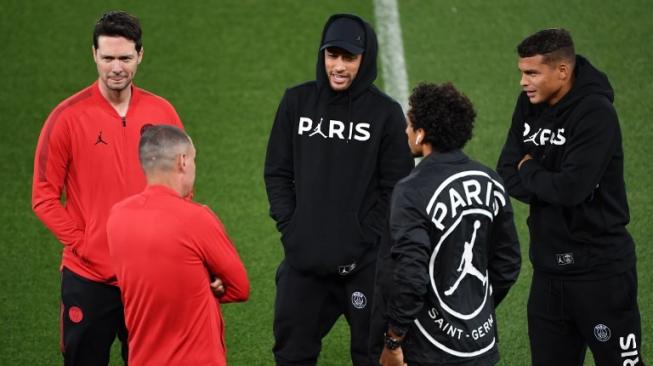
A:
[(224, 65)]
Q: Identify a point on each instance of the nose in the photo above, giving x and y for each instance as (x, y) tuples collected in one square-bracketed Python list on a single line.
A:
[(339, 65), (116, 66), (523, 81)]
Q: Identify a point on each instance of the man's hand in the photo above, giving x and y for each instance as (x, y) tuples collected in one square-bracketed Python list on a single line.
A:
[(217, 287), (526, 158), (392, 357)]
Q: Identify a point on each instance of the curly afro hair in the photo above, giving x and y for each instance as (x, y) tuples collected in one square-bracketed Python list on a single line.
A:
[(446, 115)]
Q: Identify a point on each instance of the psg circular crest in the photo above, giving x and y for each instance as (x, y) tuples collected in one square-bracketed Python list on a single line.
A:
[(75, 314), (359, 300), (602, 332)]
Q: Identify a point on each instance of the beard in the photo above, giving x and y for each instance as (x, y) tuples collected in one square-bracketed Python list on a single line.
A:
[(118, 86)]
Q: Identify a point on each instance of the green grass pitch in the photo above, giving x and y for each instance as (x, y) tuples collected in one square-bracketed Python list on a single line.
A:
[(225, 65)]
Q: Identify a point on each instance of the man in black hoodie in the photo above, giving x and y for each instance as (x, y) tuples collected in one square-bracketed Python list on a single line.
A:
[(336, 150), (563, 156)]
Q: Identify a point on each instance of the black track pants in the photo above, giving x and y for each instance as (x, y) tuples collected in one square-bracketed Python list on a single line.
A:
[(565, 317), (307, 306), (91, 317)]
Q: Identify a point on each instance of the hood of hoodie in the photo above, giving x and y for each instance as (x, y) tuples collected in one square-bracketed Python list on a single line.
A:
[(366, 73), (587, 81)]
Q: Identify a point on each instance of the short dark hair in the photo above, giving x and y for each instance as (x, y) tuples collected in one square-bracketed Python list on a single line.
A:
[(554, 44), (160, 145), (445, 114), (117, 23)]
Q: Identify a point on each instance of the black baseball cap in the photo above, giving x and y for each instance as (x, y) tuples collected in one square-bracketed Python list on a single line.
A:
[(345, 33)]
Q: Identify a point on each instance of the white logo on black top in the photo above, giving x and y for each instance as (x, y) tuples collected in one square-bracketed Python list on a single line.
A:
[(459, 317), (346, 269), (359, 300), (543, 136), (602, 332), (333, 129), (466, 266), (318, 130), (564, 259)]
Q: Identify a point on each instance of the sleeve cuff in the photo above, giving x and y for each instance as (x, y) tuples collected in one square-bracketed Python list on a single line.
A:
[(528, 168), (397, 328)]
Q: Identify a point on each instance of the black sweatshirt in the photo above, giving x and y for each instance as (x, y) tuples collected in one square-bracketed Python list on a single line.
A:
[(455, 255), (574, 183), (333, 159)]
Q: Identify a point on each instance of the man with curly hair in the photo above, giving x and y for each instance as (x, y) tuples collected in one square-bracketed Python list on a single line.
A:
[(564, 157), (455, 252)]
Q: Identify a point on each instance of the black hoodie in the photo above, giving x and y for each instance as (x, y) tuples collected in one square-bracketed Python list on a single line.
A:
[(332, 161), (574, 183)]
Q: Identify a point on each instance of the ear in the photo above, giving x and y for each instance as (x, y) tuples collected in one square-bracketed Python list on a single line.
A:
[(564, 70), (420, 136), (181, 162), (94, 53), (140, 55)]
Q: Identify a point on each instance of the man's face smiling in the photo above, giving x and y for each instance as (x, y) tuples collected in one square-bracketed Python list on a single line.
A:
[(117, 61), (341, 67)]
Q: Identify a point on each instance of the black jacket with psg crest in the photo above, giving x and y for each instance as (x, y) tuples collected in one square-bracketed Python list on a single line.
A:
[(332, 161), (574, 183)]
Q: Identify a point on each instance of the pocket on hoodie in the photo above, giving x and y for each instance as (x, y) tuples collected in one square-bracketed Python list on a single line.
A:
[(320, 241), (288, 227), (553, 246), (586, 221)]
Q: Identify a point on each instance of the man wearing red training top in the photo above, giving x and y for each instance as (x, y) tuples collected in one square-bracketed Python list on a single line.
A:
[(165, 249), (88, 153)]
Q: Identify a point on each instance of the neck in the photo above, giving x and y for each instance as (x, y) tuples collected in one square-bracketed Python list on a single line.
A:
[(564, 90), (427, 150), (166, 180), (119, 99)]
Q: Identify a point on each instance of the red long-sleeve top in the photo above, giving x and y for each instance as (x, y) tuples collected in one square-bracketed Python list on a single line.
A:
[(164, 250), (88, 154)]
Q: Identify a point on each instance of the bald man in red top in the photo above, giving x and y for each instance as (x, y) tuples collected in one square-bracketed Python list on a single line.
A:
[(165, 250)]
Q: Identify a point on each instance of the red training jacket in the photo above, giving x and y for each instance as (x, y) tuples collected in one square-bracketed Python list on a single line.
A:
[(89, 154), (164, 249)]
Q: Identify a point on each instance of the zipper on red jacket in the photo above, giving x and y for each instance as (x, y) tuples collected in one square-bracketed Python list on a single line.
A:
[(124, 121)]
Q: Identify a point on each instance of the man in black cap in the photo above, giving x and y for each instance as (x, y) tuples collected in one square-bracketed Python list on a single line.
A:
[(336, 150)]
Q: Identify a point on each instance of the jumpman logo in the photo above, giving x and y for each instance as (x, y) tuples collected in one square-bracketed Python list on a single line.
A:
[(100, 140), (318, 130), (466, 266)]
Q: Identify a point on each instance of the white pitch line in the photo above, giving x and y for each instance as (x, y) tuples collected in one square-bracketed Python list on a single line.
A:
[(393, 64)]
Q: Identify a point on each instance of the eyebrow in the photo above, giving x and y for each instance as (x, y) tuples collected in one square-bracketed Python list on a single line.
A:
[(119, 56), (526, 70)]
